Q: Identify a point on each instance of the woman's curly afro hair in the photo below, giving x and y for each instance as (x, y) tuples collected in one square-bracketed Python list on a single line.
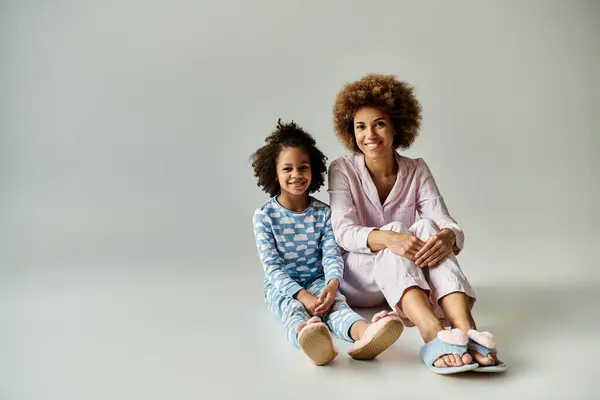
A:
[(386, 93), (287, 135)]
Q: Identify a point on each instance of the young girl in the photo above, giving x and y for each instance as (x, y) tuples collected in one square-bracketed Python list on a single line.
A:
[(302, 262)]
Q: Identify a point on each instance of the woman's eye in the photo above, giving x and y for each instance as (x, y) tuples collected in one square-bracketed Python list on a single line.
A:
[(381, 124)]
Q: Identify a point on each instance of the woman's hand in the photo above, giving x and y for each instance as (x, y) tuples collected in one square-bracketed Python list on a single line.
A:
[(327, 297), (404, 244), (435, 249)]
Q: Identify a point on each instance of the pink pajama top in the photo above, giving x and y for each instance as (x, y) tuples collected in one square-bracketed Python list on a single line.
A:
[(357, 210)]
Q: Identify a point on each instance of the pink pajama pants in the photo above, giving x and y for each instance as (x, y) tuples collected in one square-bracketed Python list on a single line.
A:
[(371, 279)]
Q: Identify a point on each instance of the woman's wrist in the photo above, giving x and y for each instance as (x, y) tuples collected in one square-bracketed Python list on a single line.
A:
[(388, 237), (379, 239)]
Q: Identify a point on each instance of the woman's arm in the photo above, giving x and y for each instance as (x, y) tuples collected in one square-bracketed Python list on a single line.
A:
[(357, 238), (378, 240), (349, 234), (431, 205)]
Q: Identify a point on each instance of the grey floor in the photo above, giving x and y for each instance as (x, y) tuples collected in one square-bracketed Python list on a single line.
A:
[(151, 335)]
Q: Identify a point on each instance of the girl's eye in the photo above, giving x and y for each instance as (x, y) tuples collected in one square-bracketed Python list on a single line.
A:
[(304, 167), (380, 124), (360, 127), (287, 169)]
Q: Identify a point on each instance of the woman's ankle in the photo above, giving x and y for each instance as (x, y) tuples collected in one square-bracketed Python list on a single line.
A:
[(463, 325), (430, 330)]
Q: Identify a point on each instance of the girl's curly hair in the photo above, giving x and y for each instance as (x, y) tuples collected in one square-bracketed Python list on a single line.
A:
[(265, 158), (386, 93)]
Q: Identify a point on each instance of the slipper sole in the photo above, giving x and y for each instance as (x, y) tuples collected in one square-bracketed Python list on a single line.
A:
[(317, 344), (384, 338), (492, 368), (453, 370)]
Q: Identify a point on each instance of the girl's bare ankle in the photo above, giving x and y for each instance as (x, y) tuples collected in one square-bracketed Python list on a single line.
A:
[(358, 329)]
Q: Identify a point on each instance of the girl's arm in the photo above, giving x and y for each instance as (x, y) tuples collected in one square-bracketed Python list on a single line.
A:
[(269, 256), (332, 261)]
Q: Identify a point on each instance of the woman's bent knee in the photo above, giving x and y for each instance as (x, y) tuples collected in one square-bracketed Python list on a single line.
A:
[(395, 226), (425, 226)]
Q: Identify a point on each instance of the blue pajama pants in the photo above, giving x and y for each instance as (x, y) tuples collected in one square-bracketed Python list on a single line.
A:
[(291, 312)]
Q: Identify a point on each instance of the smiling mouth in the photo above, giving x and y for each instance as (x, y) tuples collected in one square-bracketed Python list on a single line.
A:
[(297, 184), (372, 146)]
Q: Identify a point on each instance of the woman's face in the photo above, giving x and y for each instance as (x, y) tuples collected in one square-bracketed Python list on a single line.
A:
[(373, 132)]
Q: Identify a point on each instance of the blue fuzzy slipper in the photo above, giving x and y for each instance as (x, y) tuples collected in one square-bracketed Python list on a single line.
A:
[(446, 342), (483, 343)]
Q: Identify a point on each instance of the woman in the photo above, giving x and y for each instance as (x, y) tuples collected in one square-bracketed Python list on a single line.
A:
[(374, 196)]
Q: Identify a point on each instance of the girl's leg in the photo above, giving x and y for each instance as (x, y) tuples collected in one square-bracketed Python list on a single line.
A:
[(290, 312), (306, 333), (370, 340), (341, 319)]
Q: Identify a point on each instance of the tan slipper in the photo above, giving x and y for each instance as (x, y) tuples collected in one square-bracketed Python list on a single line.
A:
[(316, 341), (381, 334)]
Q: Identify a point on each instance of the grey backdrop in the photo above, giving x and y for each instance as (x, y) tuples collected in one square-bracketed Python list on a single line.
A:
[(127, 125), (126, 193)]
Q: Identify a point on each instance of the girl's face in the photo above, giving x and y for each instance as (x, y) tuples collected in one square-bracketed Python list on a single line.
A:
[(293, 171), (373, 132)]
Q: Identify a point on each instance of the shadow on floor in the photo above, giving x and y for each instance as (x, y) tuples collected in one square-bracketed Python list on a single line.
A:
[(519, 316)]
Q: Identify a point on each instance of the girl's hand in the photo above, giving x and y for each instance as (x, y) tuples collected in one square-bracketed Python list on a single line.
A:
[(327, 297), (309, 301), (404, 244), (435, 249)]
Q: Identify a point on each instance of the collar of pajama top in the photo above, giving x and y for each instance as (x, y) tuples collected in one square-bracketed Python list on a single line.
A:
[(357, 210)]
